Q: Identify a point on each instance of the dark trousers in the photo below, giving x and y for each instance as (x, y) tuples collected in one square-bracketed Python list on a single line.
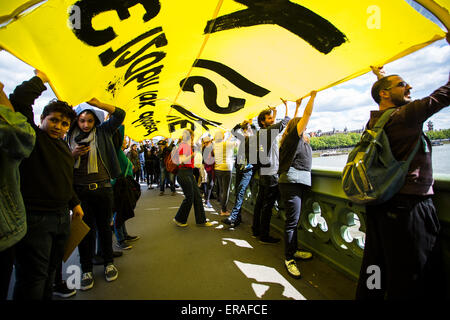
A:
[(137, 175), (39, 253), (402, 241), (291, 196), (192, 196), (224, 181), (97, 207), (6, 266), (262, 212), (151, 174), (243, 179)]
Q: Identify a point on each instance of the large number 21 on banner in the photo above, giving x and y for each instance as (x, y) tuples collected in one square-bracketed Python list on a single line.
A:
[(206, 64)]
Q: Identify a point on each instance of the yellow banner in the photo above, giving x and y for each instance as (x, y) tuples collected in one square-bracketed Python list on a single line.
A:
[(206, 64)]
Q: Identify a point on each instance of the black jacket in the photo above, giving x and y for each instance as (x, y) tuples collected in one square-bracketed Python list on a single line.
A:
[(46, 177)]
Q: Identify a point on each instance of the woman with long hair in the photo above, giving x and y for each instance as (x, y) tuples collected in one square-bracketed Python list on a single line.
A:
[(188, 184), (294, 178)]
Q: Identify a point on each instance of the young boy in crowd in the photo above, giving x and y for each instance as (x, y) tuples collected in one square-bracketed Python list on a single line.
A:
[(46, 181)]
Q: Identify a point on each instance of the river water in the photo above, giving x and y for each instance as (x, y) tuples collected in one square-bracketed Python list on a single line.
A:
[(441, 160)]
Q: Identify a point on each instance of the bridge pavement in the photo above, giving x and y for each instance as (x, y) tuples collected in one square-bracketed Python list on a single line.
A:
[(206, 263)]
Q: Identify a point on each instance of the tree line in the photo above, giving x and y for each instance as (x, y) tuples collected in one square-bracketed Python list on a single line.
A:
[(348, 140)]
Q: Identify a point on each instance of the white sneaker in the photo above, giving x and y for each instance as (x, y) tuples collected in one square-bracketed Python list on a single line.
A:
[(111, 272), (304, 255), (292, 268)]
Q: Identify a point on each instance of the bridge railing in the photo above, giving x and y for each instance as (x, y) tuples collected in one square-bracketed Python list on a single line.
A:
[(334, 228)]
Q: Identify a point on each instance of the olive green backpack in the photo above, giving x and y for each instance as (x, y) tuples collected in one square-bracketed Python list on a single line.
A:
[(372, 175)]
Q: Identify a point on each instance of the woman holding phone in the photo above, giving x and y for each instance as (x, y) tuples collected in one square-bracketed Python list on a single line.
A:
[(96, 164)]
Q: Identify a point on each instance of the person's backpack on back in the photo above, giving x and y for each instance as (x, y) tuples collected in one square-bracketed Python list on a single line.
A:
[(171, 161), (372, 175)]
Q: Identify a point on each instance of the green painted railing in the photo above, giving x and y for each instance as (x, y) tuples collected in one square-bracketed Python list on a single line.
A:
[(333, 227)]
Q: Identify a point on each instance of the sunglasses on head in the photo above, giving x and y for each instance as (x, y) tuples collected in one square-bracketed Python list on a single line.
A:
[(401, 84)]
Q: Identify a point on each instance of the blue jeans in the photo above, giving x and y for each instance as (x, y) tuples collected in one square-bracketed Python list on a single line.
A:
[(39, 254), (243, 179), (192, 196), (291, 195), (120, 231), (162, 182)]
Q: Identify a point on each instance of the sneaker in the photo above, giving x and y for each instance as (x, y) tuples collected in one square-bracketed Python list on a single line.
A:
[(87, 281), (179, 223), (208, 205), (255, 234), (111, 272), (206, 224), (123, 245), (149, 188), (161, 193), (292, 268), (132, 238), (304, 255), (226, 213), (269, 240), (61, 290), (231, 222), (174, 193)]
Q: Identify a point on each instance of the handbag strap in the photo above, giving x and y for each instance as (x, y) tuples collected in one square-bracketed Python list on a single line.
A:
[(128, 166)]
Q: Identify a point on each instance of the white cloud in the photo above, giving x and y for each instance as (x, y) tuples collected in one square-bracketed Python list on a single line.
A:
[(14, 72)]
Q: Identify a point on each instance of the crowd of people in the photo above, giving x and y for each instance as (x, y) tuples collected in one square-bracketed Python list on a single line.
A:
[(81, 159)]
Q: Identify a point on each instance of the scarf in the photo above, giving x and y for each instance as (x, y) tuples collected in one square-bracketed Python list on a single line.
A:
[(91, 137)]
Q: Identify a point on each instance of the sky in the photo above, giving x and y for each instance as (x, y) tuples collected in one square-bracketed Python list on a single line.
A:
[(347, 105)]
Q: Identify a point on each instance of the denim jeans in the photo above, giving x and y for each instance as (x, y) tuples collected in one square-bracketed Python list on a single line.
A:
[(192, 196), (243, 179), (291, 195), (6, 267), (97, 207), (120, 231), (262, 212), (209, 185), (224, 181), (162, 182), (39, 253)]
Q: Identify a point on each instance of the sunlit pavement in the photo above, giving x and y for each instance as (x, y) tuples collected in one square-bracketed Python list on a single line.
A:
[(174, 263)]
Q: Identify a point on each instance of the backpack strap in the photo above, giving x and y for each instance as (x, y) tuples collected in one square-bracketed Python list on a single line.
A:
[(416, 148), (384, 118), (382, 121), (128, 166)]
